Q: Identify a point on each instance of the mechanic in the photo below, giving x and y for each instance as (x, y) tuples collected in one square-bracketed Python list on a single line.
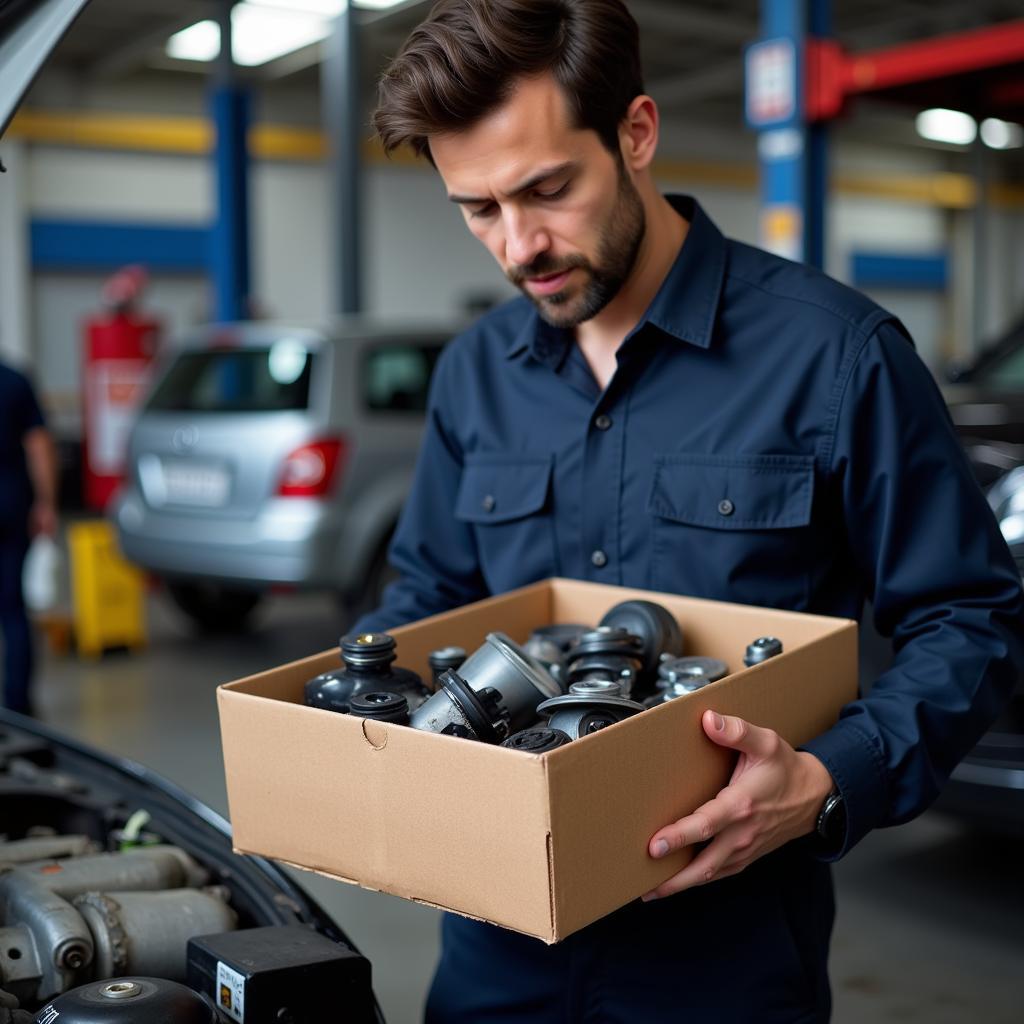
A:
[(28, 506), (667, 409)]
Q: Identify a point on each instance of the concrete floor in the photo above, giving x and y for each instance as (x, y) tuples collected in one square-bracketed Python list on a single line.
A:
[(930, 914)]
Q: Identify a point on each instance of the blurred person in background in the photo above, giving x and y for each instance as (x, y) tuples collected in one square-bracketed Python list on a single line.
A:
[(668, 409), (28, 507)]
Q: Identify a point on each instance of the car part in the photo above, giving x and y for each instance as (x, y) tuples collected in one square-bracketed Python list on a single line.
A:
[(277, 975), (681, 676), (537, 741), (522, 683), (763, 648), (129, 1001), (608, 652), (368, 668), (457, 709), (443, 659), (597, 686), (657, 628), (565, 635), (384, 706), (547, 654), (581, 716)]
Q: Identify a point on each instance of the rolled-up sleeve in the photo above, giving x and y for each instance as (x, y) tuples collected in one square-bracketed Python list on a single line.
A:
[(433, 552), (939, 576)]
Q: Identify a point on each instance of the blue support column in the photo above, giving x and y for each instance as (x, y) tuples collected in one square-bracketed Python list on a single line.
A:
[(229, 237), (792, 153)]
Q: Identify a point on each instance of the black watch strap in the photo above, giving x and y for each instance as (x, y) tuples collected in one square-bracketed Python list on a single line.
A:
[(831, 824)]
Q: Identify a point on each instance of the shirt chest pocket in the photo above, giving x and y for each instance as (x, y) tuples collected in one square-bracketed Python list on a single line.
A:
[(733, 528), (506, 500)]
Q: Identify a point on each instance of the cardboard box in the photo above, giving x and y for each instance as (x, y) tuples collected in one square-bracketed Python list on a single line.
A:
[(542, 844)]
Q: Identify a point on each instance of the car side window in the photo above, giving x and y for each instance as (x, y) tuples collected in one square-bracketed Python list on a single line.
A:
[(396, 377)]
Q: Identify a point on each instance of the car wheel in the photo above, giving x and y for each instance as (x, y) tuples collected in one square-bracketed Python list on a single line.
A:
[(213, 607)]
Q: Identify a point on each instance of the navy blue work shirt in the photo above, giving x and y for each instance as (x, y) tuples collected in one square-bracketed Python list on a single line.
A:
[(19, 414), (769, 437)]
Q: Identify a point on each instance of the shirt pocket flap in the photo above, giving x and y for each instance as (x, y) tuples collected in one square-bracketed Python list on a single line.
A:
[(499, 488), (742, 492)]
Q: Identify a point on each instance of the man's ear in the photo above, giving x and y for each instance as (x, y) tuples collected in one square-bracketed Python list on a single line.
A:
[(638, 133)]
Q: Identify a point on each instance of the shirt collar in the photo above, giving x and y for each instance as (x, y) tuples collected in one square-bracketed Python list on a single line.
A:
[(684, 307)]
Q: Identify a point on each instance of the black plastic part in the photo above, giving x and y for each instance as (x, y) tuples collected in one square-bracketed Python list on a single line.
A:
[(608, 640), (595, 721), (382, 706), (285, 974), (537, 741), (367, 650), (763, 648), (483, 709), (129, 1001), (656, 626)]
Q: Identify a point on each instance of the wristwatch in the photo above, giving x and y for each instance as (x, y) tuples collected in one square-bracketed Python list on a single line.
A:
[(830, 827)]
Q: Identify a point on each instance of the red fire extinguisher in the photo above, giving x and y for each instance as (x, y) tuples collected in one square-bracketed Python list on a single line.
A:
[(120, 344)]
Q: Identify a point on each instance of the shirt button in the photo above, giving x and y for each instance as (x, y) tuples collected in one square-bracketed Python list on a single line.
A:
[(603, 422), (599, 558), (488, 503), (726, 507)]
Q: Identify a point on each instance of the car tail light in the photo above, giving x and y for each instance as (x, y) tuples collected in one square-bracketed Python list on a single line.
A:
[(309, 471)]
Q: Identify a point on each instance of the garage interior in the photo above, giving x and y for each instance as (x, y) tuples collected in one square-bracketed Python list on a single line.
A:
[(116, 157)]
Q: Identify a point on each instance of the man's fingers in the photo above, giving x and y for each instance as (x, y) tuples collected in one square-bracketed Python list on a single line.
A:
[(739, 734), (704, 868)]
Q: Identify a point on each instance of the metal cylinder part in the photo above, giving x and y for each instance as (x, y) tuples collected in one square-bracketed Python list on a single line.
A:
[(21, 851), (681, 676), (656, 626), (144, 868), (457, 709), (129, 1001), (763, 648), (148, 932), (597, 686)]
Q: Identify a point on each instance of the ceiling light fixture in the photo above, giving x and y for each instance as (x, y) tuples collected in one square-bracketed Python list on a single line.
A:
[(951, 126), (1001, 134)]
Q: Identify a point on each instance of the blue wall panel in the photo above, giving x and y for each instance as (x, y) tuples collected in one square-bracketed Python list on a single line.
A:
[(101, 245)]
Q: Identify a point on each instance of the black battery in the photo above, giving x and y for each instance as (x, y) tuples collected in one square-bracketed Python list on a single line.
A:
[(282, 975)]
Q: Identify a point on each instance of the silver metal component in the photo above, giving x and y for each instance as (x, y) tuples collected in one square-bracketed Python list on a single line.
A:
[(681, 676), (578, 716), (120, 990), (520, 679), (597, 686), (21, 851), (20, 969), (146, 933), (457, 709), (59, 935), (146, 868), (763, 648)]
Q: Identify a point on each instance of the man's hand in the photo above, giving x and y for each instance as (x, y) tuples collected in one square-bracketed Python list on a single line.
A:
[(774, 795)]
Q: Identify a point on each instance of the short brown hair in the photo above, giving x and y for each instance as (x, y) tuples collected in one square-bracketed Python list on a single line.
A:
[(462, 61)]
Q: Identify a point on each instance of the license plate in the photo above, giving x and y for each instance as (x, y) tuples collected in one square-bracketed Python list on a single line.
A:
[(206, 486)]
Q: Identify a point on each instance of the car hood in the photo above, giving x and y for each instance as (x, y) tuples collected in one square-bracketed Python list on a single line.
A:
[(29, 30)]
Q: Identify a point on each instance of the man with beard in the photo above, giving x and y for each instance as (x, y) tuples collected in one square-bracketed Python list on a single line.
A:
[(668, 409)]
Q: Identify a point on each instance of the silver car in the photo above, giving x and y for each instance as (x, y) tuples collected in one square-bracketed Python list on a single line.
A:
[(269, 455)]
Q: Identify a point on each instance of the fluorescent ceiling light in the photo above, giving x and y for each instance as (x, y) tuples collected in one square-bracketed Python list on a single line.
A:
[(377, 5), (1001, 134), (197, 42), (952, 126)]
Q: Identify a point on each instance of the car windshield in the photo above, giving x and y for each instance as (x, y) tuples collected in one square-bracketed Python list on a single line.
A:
[(270, 379)]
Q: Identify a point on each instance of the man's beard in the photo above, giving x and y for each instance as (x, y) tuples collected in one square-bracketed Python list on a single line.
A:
[(618, 246)]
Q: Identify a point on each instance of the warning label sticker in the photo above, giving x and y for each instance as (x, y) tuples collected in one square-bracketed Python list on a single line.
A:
[(230, 991)]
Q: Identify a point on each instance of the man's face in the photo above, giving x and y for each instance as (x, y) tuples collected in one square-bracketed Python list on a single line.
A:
[(553, 206)]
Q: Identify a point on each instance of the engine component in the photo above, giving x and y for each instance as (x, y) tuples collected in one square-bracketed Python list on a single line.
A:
[(368, 668), (681, 676), (657, 628), (20, 851), (596, 686), (445, 658), (564, 635), (146, 933), (581, 716), (548, 654), (608, 652), (763, 648), (537, 741), (502, 665), (457, 709), (381, 707), (129, 1001), (281, 974)]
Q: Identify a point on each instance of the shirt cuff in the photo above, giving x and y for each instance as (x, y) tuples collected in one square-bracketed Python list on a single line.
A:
[(858, 771)]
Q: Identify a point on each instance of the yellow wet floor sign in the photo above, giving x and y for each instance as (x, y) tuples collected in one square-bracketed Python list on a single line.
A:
[(107, 593)]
